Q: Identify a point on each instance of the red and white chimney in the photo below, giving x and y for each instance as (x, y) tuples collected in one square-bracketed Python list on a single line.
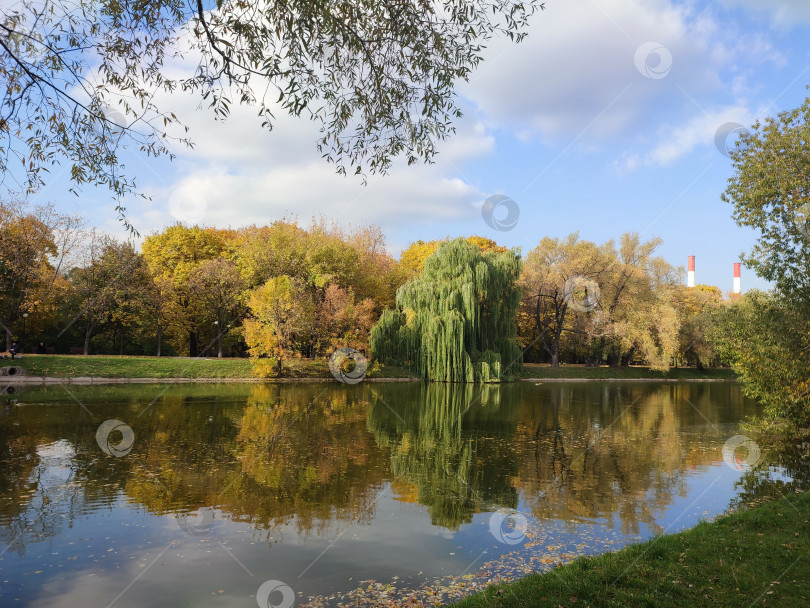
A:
[(690, 275), (737, 288)]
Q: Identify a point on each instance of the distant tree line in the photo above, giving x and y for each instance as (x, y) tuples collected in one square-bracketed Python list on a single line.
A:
[(584, 303), (189, 290), (283, 291)]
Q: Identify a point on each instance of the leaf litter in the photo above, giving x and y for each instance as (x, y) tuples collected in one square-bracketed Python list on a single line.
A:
[(540, 553)]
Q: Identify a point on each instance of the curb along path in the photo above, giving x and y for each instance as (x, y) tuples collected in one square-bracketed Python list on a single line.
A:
[(45, 380)]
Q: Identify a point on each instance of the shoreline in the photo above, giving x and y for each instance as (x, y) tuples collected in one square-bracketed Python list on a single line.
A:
[(86, 380)]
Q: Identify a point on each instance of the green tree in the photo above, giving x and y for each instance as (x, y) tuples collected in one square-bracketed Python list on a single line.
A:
[(412, 259), (380, 78), (355, 259), (324, 254), (652, 330), (129, 293), (217, 285), (698, 307), (281, 322), (108, 288), (767, 341), (770, 192), (455, 322), (159, 301), (764, 336)]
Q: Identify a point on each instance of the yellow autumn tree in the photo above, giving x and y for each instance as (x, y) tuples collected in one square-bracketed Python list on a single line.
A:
[(172, 256), (280, 325)]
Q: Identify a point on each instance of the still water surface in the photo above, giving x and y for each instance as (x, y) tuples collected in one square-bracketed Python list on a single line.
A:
[(368, 494)]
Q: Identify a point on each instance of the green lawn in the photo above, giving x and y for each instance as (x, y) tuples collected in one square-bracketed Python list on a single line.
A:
[(757, 557), (72, 366), (535, 370)]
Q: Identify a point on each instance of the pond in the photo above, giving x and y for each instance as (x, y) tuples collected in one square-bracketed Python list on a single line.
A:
[(370, 495)]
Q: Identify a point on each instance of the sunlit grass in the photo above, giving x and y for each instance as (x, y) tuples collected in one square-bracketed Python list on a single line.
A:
[(73, 366), (535, 370), (754, 557), (102, 366)]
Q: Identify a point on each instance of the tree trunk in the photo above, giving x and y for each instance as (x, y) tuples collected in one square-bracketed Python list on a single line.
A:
[(87, 335), (219, 343), (121, 342), (193, 349), (555, 343), (555, 347), (159, 339), (628, 358), (600, 353)]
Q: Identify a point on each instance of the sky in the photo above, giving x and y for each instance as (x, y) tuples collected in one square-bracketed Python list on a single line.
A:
[(611, 116)]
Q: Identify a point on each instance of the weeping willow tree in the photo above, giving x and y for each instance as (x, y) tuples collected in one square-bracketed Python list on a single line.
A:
[(455, 322)]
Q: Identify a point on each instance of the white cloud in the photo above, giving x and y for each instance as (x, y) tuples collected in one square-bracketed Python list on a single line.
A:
[(308, 189), (783, 12), (677, 141), (239, 174), (627, 163), (576, 72)]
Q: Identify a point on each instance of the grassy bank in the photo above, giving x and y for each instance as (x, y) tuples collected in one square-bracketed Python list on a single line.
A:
[(535, 370), (72, 366), (757, 557)]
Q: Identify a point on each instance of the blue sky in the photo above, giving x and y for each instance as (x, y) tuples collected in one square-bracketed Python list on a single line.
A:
[(602, 121)]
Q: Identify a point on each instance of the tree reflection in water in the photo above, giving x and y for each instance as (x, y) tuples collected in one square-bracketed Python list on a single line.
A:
[(313, 458), (451, 447), (784, 469)]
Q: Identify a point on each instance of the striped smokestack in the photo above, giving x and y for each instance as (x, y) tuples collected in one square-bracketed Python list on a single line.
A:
[(690, 275), (737, 287)]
